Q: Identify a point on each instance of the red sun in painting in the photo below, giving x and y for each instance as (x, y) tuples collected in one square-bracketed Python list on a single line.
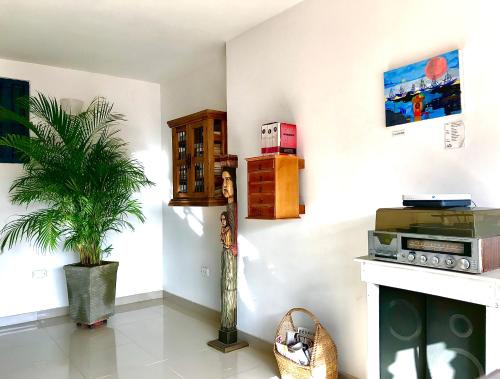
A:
[(436, 67)]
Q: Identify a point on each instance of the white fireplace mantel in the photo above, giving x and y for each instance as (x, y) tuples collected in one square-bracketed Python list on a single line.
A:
[(481, 289)]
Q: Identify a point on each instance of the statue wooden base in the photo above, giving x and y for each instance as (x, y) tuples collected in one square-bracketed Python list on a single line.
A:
[(226, 348)]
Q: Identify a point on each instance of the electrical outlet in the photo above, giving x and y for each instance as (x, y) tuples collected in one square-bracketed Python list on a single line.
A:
[(39, 274), (205, 271)]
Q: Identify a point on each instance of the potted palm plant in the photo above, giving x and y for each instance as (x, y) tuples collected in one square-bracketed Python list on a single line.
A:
[(81, 182)]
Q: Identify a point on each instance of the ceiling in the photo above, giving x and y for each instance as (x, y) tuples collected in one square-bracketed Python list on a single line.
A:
[(150, 40)]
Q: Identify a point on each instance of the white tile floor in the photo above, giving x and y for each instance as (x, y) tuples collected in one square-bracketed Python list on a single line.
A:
[(146, 340)]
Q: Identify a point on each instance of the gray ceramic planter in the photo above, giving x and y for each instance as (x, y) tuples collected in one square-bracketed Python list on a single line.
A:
[(91, 291)]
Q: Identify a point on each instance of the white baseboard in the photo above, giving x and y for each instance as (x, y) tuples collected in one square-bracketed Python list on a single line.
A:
[(18, 319), (63, 311), (139, 297)]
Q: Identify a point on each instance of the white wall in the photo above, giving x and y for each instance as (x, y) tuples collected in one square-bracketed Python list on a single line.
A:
[(321, 66), (139, 253), (191, 234)]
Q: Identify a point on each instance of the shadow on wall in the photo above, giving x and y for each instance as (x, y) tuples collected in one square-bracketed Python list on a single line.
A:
[(312, 268), (192, 242), (248, 253), (193, 216), (282, 264)]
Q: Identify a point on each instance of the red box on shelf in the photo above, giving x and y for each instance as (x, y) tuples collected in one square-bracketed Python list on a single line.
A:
[(278, 138)]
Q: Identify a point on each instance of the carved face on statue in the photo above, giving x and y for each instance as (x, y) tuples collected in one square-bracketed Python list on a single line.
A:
[(226, 236), (223, 219), (227, 186)]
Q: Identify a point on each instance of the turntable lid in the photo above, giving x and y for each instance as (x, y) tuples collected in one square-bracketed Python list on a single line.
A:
[(460, 222)]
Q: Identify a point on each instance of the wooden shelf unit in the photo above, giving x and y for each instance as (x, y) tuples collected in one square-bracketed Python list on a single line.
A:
[(273, 187), (198, 142)]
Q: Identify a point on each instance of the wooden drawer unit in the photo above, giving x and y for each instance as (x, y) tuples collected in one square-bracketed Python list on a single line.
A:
[(261, 212), (261, 165), (261, 176), (260, 187), (273, 186), (262, 199)]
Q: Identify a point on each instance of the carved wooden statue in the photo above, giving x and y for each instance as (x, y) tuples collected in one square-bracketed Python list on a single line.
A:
[(228, 334), (228, 263)]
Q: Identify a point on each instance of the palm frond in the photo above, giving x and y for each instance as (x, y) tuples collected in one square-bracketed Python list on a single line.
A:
[(42, 228), (78, 168)]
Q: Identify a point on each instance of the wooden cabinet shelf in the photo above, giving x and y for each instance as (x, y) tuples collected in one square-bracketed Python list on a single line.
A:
[(273, 187), (198, 142)]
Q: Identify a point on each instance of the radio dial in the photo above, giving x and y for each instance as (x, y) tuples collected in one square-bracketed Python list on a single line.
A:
[(411, 257), (464, 264), (423, 259), (450, 262), (435, 260)]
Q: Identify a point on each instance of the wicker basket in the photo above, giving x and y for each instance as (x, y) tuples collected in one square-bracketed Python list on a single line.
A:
[(323, 355)]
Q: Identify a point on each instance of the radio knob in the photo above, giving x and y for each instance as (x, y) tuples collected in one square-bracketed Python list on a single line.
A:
[(411, 257), (450, 262), (464, 264), (435, 260), (423, 259)]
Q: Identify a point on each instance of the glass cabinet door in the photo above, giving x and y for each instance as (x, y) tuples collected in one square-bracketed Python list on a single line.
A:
[(219, 150), (180, 154), (197, 159)]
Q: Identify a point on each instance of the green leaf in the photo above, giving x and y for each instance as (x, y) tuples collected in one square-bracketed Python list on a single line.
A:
[(76, 168)]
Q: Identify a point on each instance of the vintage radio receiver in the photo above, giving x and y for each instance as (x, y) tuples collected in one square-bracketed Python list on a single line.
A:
[(457, 239)]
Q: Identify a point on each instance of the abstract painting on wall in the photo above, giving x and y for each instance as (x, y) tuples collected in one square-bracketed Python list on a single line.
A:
[(423, 90), (10, 91)]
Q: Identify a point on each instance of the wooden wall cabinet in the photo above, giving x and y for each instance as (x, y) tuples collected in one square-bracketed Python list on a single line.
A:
[(198, 142), (273, 187)]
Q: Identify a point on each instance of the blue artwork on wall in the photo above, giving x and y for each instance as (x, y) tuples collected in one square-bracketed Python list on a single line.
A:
[(423, 90), (10, 91)]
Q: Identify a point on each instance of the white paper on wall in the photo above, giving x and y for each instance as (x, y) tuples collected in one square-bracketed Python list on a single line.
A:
[(454, 135), (398, 133)]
